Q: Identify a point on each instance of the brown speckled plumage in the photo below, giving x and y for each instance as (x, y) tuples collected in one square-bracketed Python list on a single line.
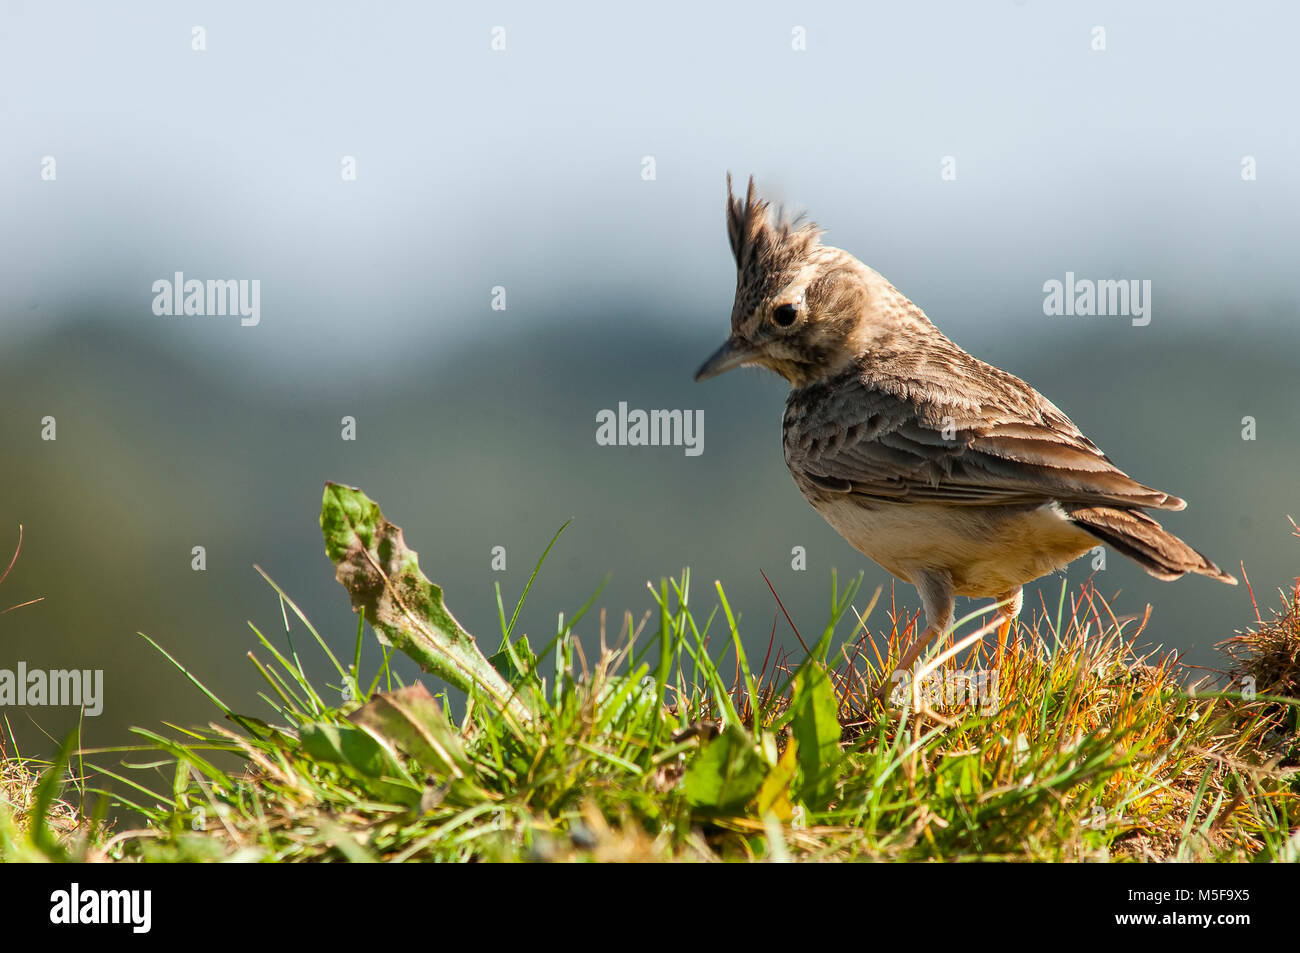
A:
[(952, 474)]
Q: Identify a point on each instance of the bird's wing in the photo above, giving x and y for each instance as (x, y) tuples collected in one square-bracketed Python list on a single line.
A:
[(968, 435)]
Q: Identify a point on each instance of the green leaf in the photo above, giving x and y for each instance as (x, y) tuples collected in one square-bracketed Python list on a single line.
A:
[(47, 791), (815, 727), (383, 579), (413, 721), (183, 849), (774, 795), (505, 663), (358, 750), (726, 775)]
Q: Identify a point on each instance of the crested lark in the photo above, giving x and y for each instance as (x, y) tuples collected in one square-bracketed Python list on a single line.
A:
[(953, 475)]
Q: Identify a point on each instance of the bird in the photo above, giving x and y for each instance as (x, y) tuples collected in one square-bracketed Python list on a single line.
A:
[(953, 475)]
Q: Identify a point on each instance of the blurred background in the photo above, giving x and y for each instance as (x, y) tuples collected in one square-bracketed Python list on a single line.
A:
[(524, 168)]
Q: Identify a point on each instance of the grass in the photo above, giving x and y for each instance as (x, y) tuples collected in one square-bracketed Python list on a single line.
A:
[(660, 738)]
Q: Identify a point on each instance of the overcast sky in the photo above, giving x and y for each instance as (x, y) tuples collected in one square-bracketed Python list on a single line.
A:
[(523, 168)]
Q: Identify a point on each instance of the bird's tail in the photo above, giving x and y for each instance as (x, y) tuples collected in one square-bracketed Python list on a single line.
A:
[(1146, 542)]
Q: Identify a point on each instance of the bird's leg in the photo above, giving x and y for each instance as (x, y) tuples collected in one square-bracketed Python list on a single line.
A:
[(936, 595), (917, 647), (1008, 615)]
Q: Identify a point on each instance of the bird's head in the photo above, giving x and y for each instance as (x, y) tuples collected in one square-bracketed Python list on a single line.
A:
[(803, 309)]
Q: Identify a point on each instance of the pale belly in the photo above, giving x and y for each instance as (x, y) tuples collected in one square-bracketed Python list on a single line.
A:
[(986, 550)]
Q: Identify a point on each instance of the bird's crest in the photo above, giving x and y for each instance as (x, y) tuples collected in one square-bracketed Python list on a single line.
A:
[(766, 248)]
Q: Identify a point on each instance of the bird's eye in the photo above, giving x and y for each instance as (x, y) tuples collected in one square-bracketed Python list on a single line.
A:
[(785, 315)]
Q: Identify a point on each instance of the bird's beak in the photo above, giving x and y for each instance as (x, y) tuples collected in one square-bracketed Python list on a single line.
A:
[(733, 353)]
